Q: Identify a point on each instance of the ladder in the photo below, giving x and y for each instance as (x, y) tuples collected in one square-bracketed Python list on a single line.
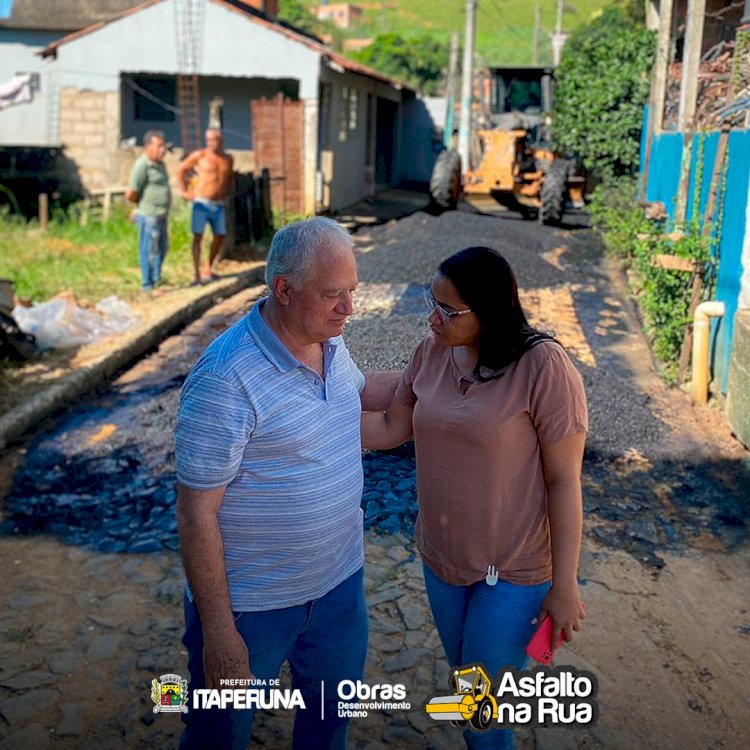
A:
[(189, 33), (188, 102)]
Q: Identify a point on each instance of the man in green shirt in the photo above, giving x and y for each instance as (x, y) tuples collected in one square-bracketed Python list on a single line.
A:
[(149, 188)]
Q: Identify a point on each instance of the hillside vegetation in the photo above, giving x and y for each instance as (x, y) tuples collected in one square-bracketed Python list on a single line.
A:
[(504, 27)]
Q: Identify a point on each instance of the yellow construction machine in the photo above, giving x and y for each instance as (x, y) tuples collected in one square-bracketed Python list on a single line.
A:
[(511, 159)]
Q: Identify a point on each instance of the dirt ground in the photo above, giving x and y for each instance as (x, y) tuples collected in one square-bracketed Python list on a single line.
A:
[(83, 632)]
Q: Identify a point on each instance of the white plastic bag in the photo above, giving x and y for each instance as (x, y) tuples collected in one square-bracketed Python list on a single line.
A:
[(117, 314), (60, 323)]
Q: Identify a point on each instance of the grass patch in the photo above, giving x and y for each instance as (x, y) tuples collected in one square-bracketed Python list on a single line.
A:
[(93, 261), (20, 634)]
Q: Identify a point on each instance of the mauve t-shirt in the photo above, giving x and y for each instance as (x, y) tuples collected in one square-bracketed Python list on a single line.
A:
[(482, 497)]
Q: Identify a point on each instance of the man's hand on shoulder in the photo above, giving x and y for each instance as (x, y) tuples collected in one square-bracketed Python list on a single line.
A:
[(225, 657)]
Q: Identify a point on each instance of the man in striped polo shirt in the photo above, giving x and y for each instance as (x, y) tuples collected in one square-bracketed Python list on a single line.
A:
[(269, 476)]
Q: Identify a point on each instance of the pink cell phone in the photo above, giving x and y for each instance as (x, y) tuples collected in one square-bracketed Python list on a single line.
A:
[(540, 646)]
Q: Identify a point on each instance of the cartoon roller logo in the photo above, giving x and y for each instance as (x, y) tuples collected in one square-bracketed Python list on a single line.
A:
[(472, 701), (169, 694)]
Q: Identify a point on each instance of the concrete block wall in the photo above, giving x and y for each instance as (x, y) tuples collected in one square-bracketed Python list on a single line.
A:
[(738, 394), (90, 134)]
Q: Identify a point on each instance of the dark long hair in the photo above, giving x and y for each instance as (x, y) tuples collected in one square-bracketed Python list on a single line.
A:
[(485, 282)]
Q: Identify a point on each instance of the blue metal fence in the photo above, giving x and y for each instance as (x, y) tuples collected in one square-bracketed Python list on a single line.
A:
[(662, 185)]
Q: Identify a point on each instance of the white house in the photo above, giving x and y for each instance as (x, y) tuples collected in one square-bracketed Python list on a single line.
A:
[(26, 28), (106, 84)]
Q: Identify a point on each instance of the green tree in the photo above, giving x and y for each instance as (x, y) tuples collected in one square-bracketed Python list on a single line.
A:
[(296, 14), (602, 85), (300, 16), (419, 61)]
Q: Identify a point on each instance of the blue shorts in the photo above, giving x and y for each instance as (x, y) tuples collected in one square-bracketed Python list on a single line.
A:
[(208, 213)]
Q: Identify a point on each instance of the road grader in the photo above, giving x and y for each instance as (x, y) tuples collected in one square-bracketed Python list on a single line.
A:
[(511, 158)]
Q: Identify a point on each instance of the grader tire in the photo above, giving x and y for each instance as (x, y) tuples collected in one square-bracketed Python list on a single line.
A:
[(445, 181), (552, 195)]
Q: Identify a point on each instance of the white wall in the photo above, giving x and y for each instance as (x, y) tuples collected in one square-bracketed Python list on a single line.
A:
[(417, 143), (233, 46), (24, 124), (349, 156), (243, 48)]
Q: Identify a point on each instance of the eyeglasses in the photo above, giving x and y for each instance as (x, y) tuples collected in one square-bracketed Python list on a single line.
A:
[(445, 315)]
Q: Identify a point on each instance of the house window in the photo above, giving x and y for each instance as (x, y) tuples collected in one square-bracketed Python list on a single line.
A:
[(353, 101), (348, 112), (344, 114), (152, 97)]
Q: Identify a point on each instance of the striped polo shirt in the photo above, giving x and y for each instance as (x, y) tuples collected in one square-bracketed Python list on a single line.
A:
[(286, 442)]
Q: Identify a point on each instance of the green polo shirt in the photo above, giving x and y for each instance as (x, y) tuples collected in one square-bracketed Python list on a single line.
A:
[(150, 180)]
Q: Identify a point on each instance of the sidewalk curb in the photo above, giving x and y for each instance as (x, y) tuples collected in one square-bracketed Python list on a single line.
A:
[(64, 392)]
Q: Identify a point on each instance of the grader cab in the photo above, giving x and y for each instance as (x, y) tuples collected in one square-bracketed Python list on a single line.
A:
[(472, 700), (510, 154)]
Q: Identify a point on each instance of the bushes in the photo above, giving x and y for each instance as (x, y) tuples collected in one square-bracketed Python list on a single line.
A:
[(418, 61), (663, 295), (602, 84)]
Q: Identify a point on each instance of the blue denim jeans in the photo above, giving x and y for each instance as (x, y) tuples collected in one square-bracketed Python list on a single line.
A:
[(152, 247), (490, 625), (324, 640)]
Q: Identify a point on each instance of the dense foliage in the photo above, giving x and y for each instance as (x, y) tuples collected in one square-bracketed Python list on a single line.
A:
[(663, 296), (295, 13), (602, 85), (419, 62)]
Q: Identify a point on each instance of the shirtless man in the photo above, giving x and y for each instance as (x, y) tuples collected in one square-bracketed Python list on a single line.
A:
[(211, 189)]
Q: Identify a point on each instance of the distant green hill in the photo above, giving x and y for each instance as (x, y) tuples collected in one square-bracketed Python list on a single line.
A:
[(504, 27)]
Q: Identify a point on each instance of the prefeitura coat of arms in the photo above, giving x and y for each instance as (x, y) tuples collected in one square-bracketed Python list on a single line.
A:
[(169, 694)]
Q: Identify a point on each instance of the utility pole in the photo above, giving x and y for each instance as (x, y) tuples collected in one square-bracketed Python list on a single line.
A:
[(661, 64), (691, 59), (537, 28), (464, 128), (450, 107), (558, 38)]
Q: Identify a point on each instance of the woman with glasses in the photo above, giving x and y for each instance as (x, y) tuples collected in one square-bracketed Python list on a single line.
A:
[(498, 415)]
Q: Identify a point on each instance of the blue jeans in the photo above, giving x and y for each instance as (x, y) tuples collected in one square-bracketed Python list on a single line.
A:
[(152, 247), (323, 640), (490, 625)]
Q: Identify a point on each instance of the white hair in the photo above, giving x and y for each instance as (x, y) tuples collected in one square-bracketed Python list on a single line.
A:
[(295, 247)]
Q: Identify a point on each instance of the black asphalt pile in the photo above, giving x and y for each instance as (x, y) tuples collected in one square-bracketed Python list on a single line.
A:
[(103, 477), (668, 507)]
